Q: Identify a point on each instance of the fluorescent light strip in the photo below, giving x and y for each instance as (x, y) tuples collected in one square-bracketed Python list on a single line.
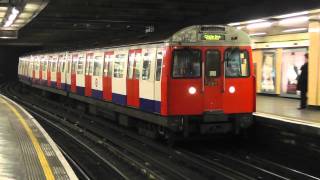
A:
[(258, 34), (259, 25), (296, 20), (292, 15), (255, 21), (233, 24), (294, 30)]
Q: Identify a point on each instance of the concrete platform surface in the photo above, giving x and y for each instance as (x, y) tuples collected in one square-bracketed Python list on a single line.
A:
[(286, 109), (26, 150)]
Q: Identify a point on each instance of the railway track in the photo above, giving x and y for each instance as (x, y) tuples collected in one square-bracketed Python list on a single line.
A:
[(153, 159)]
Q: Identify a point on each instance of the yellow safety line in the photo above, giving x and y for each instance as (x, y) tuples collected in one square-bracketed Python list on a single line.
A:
[(44, 163)]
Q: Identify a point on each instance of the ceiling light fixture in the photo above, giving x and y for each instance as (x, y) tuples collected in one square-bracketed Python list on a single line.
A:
[(292, 15), (258, 34), (12, 17), (295, 30), (259, 25), (296, 20)]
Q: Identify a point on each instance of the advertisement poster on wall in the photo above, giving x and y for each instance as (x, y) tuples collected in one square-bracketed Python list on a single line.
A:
[(268, 70), (292, 60)]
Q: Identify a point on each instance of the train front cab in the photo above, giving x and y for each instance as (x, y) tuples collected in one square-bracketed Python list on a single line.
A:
[(213, 87)]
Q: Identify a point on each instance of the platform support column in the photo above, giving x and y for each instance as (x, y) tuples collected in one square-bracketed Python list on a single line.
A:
[(314, 64)]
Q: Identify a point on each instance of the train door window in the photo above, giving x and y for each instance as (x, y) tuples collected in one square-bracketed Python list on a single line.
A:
[(73, 66), (41, 64), (110, 66), (236, 63), (159, 65), (105, 66), (137, 65), (119, 63), (146, 66), (212, 64), (54, 66), (97, 66), (80, 65), (186, 63), (130, 65), (90, 63)]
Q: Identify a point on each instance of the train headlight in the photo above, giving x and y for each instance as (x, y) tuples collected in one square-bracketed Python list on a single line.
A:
[(192, 90), (232, 89)]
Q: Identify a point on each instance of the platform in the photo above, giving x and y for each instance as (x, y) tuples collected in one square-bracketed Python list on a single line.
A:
[(285, 109), (26, 150)]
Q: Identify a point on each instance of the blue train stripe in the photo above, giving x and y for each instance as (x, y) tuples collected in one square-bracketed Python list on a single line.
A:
[(119, 99), (80, 90), (97, 94), (150, 105)]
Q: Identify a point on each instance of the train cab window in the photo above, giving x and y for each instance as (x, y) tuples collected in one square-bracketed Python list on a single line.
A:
[(186, 63), (97, 66), (119, 63), (212, 65), (146, 66), (236, 63), (80, 65)]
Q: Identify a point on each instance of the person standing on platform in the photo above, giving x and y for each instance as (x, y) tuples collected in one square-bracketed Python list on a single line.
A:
[(303, 83)]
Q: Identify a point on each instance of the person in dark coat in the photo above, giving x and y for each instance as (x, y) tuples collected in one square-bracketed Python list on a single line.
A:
[(303, 83)]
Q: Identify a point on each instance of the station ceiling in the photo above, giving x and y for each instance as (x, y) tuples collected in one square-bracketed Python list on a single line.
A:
[(73, 23)]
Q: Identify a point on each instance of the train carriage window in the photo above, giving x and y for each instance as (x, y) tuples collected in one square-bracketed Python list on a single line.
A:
[(119, 63), (146, 66), (212, 65), (236, 63), (159, 66), (97, 66), (186, 63)]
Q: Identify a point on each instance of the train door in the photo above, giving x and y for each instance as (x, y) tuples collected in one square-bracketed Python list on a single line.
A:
[(239, 81), (37, 69), (88, 74), (80, 82), (44, 69), (147, 83), (213, 80), (32, 69), (97, 87), (41, 70), (54, 64), (35, 72), (59, 71), (119, 77), (107, 75), (68, 71), (63, 71), (133, 77), (73, 72), (157, 82), (49, 70)]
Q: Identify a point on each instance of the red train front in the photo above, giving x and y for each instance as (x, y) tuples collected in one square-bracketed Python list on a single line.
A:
[(211, 85)]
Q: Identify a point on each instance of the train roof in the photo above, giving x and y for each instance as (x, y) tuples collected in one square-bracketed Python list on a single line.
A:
[(193, 35)]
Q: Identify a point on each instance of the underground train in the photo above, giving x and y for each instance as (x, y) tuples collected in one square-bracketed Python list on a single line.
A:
[(198, 80)]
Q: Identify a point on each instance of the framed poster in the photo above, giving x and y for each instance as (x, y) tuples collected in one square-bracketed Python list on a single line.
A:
[(268, 70), (292, 60)]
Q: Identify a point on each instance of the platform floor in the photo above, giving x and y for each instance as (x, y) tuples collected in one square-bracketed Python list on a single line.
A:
[(26, 150), (286, 109)]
